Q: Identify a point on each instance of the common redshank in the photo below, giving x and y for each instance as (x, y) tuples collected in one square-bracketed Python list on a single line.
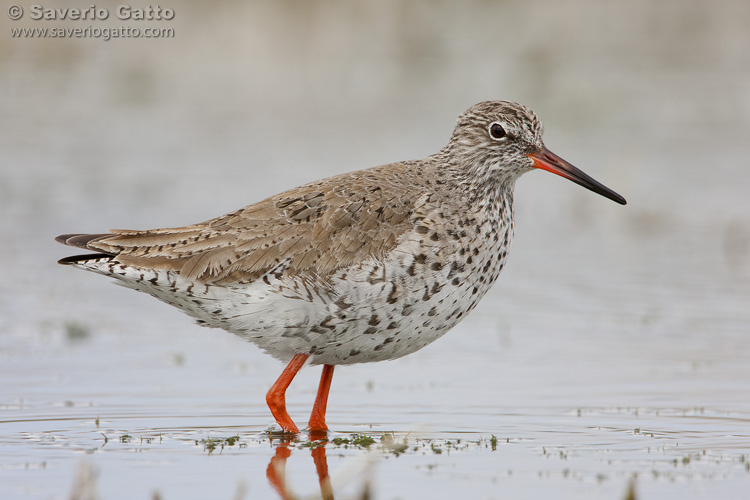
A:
[(363, 266)]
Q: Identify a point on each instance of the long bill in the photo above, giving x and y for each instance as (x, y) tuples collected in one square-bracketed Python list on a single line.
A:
[(549, 161)]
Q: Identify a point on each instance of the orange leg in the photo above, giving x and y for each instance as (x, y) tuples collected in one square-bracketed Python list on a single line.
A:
[(318, 416), (275, 396)]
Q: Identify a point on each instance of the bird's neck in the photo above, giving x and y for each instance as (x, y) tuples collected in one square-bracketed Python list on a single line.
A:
[(481, 186)]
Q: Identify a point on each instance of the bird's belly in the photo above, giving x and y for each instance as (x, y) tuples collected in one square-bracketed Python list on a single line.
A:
[(360, 322), (370, 312), (381, 329), (374, 311)]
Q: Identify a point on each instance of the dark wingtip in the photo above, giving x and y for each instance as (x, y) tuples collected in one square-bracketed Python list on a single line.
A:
[(75, 259), (63, 238), (81, 240)]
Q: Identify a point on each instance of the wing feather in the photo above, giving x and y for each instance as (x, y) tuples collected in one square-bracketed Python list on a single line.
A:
[(319, 228)]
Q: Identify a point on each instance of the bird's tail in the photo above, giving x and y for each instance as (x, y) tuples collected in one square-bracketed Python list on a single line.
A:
[(83, 241)]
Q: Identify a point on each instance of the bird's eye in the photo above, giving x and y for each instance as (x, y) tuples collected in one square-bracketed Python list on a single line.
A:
[(497, 131)]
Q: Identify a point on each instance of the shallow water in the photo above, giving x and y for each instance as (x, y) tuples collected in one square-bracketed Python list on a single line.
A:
[(560, 430), (614, 347)]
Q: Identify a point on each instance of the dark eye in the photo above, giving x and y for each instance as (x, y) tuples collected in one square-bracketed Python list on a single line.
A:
[(497, 131)]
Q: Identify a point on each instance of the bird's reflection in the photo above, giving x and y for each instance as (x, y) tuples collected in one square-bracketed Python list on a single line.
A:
[(276, 470)]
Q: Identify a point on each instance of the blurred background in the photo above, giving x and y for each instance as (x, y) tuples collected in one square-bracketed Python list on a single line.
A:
[(644, 306)]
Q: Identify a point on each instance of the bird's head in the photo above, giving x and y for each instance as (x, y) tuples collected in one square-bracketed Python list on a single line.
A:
[(501, 140)]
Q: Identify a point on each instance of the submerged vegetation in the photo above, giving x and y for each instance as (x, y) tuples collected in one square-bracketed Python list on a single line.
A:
[(388, 443), (210, 444)]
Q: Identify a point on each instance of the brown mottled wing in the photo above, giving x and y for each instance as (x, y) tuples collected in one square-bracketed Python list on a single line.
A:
[(317, 228)]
